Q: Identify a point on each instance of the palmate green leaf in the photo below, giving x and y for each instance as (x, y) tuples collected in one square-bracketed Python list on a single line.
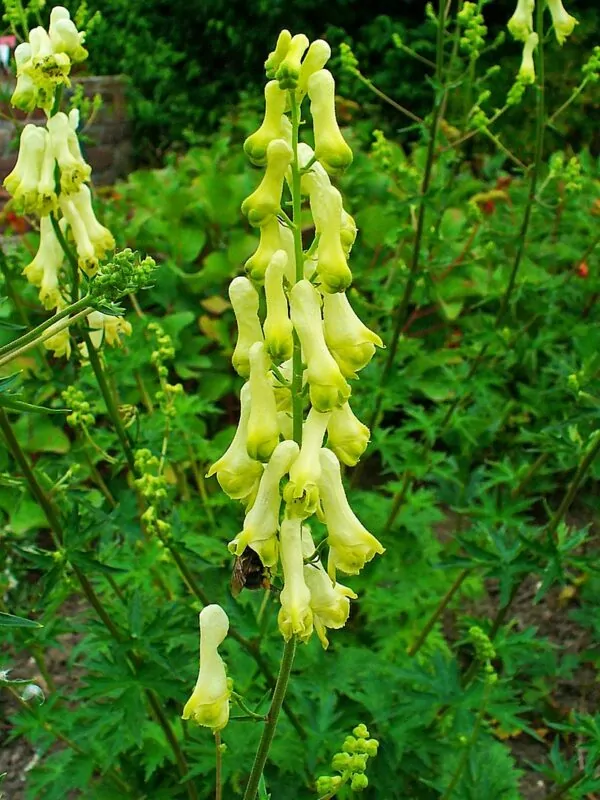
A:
[(12, 621), (85, 560)]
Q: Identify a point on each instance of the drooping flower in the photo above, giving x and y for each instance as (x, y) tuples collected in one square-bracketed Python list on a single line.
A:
[(268, 244), (563, 22), (23, 183), (74, 170), (520, 24), (277, 327), (244, 301), (350, 543), (352, 344), (330, 147), (527, 70), (328, 388), (46, 68), (44, 270), (346, 435), (295, 615), (256, 145), (265, 201), (101, 238), (329, 600), (25, 93), (263, 427), (64, 36), (301, 493), (209, 703), (262, 521), (332, 267), (86, 253)]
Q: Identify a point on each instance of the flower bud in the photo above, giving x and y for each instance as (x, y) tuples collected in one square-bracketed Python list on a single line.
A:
[(288, 70), (521, 23), (64, 35), (328, 388), (330, 148), (23, 182), (256, 145), (277, 326), (352, 344), (301, 493), (25, 93), (563, 22), (269, 243), (317, 56), (295, 615), (244, 301), (333, 270), (262, 521), (237, 473), (73, 169), (329, 601), (209, 703), (359, 782), (347, 436), (263, 428), (265, 201), (350, 544), (276, 56), (44, 270), (527, 70), (361, 731)]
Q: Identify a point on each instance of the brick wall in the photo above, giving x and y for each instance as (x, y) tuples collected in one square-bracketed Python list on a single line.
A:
[(108, 145)]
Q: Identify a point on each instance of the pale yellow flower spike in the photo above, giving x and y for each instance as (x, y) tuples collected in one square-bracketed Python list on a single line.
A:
[(244, 301), (347, 436), (330, 147), (295, 615), (262, 521), (256, 145), (328, 387), (563, 22), (301, 493), (209, 703), (329, 601), (352, 344), (263, 427), (278, 328), (237, 473), (527, 70), (520, 24), (350, 543), (265, 202)]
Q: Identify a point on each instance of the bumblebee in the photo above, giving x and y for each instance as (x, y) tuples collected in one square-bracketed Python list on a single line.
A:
[(249, 573)]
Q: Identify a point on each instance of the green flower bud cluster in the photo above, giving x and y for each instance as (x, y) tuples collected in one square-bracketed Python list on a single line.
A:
[(485, 652), (126, 272), (591, 70), (153, 488), (351, 763), (572, 175), (348, 61), (164, 352), (81, 415), (473, 36), (516, 92)]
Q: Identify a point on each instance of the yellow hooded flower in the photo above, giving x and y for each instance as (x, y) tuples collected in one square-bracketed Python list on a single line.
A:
[(244, 301), (315, 59), (64, 36), (301, 493), (277, 326), (256, 145), (347, 436), (352, 344), (328, 388), (350, 544), (329, 601), (86, 253), (332, 267), (276, 56), (101, 238), (269, 243), (521, 23), (563, 22), (262, 521), (23, 183), (73, 169), (527, 70), (209, 703), (295, 615), (265, 201), (263, 428), (25, 93), (237, 473), (46, 68), (44, 270), (107, 328), (330, 148), (288, 70)]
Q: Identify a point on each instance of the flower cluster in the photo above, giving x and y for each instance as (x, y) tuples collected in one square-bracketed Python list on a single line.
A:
[(298, 352), (50, 177), (350, 763)]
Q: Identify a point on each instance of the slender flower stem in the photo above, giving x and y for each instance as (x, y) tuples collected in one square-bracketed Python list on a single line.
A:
[(420, 641), (218, 767), (30, 336), (48, 334), (269, 731)]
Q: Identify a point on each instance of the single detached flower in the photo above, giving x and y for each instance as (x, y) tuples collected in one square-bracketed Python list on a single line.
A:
[(263, 427), (521, 23), (256, 145), (352, 344), (527, 70), (265, 201), (301, 493), (346, 435), (330, 147), (351, 546), (262, 521), (237, 473), (295, 615), (563, 22), (244, 301), (209, 703), (277, 327)]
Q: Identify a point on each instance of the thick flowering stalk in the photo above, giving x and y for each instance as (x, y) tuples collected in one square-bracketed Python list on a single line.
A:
[(50, 180)]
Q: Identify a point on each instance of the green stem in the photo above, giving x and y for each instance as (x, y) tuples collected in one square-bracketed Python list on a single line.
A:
[(218, 767), (568, 102), (48, 334), (441, 607), (272, 716), (71, 258), (74, 308), (164, 723)]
